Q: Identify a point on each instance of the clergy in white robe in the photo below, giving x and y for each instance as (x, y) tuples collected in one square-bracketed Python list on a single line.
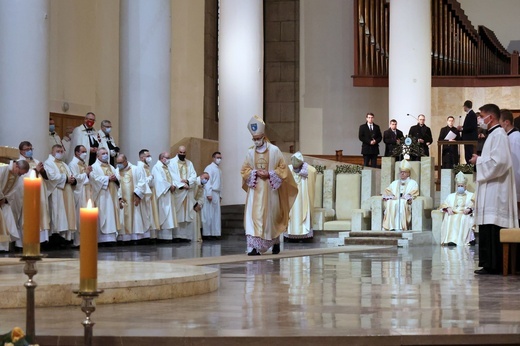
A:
[(495, 202), (133, 190), (164, 188), (26, 153), (184, 177), (66, 141), (60, 194), (300, 221), (9, 176), (211, 225), (513, 135), (270, 189), (457, 225), (87, 136), (398, 197), (150, 199), (81, 171), (104, 184), (107, 141)]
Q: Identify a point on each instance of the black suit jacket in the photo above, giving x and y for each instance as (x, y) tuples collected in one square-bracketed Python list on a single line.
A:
[(449, 148), (470, 127), (424, 133), (390, 140), (366, 136)]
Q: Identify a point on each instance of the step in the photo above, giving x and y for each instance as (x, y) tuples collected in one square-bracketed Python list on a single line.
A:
[(372, 241), (381, 234)]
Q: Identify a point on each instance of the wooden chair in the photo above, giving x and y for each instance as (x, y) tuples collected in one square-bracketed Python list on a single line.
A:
[(509, 236)]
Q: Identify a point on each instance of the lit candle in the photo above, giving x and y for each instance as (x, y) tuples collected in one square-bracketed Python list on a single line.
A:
[(88, 218), (31, 214)]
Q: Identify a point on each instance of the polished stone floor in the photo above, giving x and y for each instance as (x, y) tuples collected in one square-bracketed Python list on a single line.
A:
[(391, 296)]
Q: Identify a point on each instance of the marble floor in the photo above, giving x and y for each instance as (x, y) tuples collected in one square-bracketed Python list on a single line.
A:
[(424, 295)]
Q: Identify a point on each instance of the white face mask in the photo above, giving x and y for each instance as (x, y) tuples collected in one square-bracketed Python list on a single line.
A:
[(58, 156), (482, 123), (83, 156), (259, 142), (167, 162), (108, 129), (218, 161), (148, 160)]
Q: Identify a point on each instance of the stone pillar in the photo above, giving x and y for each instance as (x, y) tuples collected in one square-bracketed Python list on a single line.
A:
[(145, 42), (240, 87), (24, 74), (409, 75)]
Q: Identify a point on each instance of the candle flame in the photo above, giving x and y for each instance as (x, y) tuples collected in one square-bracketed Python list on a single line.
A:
[(89, 203), (32, 174)]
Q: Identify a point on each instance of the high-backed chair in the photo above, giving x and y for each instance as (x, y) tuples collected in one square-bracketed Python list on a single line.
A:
[(373, 207), (347, 199), (323, 208)]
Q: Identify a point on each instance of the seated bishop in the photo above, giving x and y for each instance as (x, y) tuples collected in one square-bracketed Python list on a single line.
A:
[(398, 197), (457, 225)]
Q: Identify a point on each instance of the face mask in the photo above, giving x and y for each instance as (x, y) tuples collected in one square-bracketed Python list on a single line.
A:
[(29, 153), (107, 130), (120, 166), (181, 157), (83, 156), (258, 142), (482, 123), (52, 128), (104, 158), (167, 162), (90, 123), (59, 156), (204, 181), (218, 161), (148, 160), (461, 190)]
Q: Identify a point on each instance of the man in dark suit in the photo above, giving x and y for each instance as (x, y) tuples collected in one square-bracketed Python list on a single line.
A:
[(370, 136), (392, 137), (423, 135), (450, 153), (516, 122), (469, 129)]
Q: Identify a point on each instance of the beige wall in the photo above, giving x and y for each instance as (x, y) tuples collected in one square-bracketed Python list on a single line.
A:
[(187, 69), (84, 58)]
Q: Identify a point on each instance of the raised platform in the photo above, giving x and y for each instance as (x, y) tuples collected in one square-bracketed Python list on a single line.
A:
[(122, 282)]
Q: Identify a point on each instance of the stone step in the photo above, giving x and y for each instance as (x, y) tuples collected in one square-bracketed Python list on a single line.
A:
[(372, 241), (382, 234)]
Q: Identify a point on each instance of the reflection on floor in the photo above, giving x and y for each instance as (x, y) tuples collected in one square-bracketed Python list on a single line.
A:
[(394, 296)]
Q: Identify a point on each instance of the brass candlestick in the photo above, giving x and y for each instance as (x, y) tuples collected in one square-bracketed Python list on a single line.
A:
[(88, 306)]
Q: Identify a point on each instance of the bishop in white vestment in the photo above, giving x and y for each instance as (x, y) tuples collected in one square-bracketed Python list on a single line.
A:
[(164, 188), (457, 225), (300, 221), (398, 197), (104, 184), (60, 194), (211, 224), (271, 191), (150, 199)]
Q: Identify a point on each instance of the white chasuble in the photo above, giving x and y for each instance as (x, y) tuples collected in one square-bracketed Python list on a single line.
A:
[(458, 228), (105, 195), (398, 209), (165, 200), (300, 221)]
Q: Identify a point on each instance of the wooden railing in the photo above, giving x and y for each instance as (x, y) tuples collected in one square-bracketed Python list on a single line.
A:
[(458, 49)]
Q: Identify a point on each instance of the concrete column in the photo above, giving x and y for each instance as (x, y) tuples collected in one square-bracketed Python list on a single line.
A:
[(144, 87), (24, 74), (409, 76), (240, 87)]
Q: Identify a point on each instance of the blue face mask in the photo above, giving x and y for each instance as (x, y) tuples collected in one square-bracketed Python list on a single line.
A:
[(120, 166), (461, 190), (52, 128), (29, 153), (104, 158), (204, 181)]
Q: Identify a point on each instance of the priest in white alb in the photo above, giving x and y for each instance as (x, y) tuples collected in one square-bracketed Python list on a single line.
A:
[(184, 177), (81, 171), (457, 225), (104, 183), (150, 199), (60, 193), (398, 197), (9, 176), (162, 176), (133, 190), (270, 189), (211, 224), (300, 221)]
